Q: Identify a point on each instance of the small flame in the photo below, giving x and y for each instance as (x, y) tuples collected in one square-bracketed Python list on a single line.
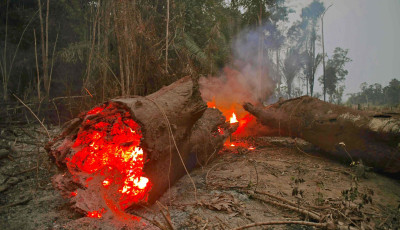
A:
[(233, 145), (233, 119), (72, 194), (251, 148)]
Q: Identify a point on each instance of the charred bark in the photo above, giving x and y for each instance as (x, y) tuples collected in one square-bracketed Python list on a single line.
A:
[(340, 131), (177, 108)]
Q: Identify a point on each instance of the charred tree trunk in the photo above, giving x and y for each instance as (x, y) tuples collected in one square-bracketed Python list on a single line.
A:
[(340, 131), (177, 108)]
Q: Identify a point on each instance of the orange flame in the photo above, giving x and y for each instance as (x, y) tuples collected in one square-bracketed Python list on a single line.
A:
[(235, 114), (233, 119), (211, 104)]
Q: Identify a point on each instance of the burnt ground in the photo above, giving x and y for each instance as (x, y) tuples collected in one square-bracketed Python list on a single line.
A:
[(286, 170)]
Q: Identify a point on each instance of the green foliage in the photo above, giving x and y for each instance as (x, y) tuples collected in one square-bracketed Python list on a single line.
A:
[(355, 196), (204, 30), (350, 194), (90, 34), (255, 10)]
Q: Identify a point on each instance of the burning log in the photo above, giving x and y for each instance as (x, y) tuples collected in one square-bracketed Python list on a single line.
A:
[(340, 131), (128, 151)]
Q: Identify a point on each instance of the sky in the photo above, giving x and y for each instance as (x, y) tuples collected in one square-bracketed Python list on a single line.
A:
[(370, 30)]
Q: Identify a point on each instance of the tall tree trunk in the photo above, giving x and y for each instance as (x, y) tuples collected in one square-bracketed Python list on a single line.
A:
[(166, 39), (121, 70), (44, 46), (323, 57), (307, 68), (127, 74), (47, 50), (289, 89), (313, 67), (278, 71), (4, 69), (92, 47), (106, 30), (117, 29), (37, 65), (260, 54)]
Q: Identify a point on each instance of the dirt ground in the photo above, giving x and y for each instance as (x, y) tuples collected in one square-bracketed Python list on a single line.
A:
[(281, 180)]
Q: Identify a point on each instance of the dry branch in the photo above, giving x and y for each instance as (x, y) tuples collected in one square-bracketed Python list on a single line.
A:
[(306, 223), (298, 209)]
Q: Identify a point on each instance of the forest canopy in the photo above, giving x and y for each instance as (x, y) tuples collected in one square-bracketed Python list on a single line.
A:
[(53, 51)]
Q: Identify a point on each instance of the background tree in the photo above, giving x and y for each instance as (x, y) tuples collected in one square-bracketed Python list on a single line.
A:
[(304, 36), (275, 41), (335, 73), (311, 61), (376, 94), (291, 67), (392, 92)]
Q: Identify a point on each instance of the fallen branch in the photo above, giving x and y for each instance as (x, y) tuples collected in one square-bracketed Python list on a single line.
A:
[(25, 171), (347, 218), (167, 216), (209, 172), (156, 224), (283, 200), (23, 141), (303, 211), (21, 202), (306, 223)]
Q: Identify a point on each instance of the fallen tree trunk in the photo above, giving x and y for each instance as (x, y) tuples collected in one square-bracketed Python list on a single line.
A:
[(172, 126), (338, 130)]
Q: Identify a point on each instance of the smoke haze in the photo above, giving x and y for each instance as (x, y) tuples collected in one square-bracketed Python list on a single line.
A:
[(239, 81)]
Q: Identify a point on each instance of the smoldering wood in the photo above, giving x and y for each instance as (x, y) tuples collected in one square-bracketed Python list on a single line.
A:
[(193, 125), (343, 132)]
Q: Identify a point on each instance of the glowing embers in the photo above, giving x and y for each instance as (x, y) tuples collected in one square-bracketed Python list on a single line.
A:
[(108, 149), (95, 214), (239, 143)]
